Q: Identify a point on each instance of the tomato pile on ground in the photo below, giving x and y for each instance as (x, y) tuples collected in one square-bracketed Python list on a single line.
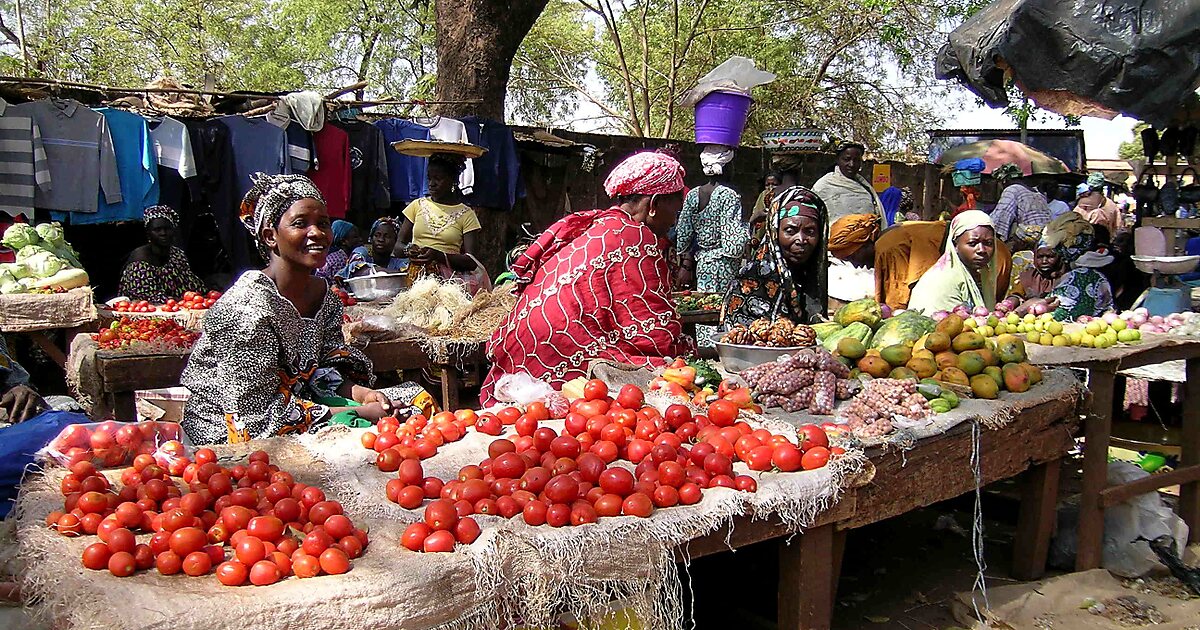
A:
[(573, 478), (189, 301), (129, 331), (273, 526)]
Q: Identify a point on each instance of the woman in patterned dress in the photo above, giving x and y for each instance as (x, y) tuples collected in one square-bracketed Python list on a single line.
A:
[(595, 285), (787, 277), (159, 271), (711, 235), (272, 359), (1083, 290)]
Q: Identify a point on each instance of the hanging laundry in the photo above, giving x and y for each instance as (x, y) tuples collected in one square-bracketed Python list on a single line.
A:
[(23, 165), (498, 172), (332, 175), (79, 153), (176, 165), (300, 148), (217, 191), (258, 146), (306, 108), (137, 169), (369, 194), (406, 174), (451, 130)]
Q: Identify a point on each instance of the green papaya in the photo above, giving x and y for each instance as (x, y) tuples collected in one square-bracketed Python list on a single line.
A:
[(857, 330)]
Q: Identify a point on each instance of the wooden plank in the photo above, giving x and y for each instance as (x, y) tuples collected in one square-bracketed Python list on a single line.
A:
[(1189, 493), (1113, 495), (792, 584), (126, 374), (1097, 432), (937, 470), (1035, 523), (48, 346)]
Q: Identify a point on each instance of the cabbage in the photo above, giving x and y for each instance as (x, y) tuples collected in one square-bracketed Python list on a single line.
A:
[(52, 241), (16, 270), (50, 232), (67, 253), (20, 235), (11, 287), (44, 264)]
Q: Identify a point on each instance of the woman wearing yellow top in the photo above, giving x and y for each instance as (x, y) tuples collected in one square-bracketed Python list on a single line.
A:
[(442, 228)]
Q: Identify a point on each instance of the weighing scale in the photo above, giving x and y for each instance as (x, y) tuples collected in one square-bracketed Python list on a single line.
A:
[(1167, 293)]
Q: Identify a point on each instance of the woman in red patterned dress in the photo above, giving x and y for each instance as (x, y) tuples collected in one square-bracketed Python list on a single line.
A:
[(595, 285)]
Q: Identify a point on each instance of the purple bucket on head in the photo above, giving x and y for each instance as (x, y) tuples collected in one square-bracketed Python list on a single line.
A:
[(721, 117)]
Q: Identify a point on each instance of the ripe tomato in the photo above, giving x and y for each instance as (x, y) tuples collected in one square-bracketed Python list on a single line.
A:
[(121, 539), (631, 397), (334, 561), (316, 542), (410, 472), (438, 541), (815, 457), (414, 536), (558, 515), (305, 566), (690, 493), (812, 435), (143, 557), (122, 564), (489, 424), (197, 563), (96, 555), (718, 464), (269, 528), (609, 505), (265, 572), (168, 563), (232, 573), (618, 481), (388, 460), (338, 526), (466, 531), (188, 540), (595, 389), (92, 503), (676, 415), (534, 512), (249, 550), (318, 513), (787, 457), (722, 413), (637, 504), (745, 483), (759, 459), (665, 496)]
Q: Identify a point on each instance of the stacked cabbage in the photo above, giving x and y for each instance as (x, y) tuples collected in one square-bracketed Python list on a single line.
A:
[(44, 260)]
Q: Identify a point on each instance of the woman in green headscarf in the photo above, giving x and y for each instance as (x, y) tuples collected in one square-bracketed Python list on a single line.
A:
[(967, 272), (1083, 290)]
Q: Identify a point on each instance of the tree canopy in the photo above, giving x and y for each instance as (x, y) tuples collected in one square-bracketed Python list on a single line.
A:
[(861, 69)]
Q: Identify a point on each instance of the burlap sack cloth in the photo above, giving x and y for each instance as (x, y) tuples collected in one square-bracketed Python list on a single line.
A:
[(514, 575), (24, 312)]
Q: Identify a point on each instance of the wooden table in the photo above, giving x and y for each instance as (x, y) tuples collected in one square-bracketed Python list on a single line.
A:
[(1096, 495), (936, 469), (705, 318), (121, 376)]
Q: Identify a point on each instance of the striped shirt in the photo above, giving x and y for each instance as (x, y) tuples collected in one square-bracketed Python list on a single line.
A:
[(1019, 206), (80, 154), (23, 165)]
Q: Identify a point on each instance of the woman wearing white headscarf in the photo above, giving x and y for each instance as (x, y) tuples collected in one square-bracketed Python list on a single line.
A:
[(966, 273), (846, 192), (711, 234)]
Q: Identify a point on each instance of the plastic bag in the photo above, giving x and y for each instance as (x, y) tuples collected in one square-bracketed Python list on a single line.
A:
[(112, 444), (521, 389), (736, 74), (1142, 516)]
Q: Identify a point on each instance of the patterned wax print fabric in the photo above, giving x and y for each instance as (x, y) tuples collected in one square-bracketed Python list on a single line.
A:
[(259, 366), (719, 236), (1020, 215), (766, 287), (334, 263), (595, 285), (144, 280), (1082, 291), (1022, 262)]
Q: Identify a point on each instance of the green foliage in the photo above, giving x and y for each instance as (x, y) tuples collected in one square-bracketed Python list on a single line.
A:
[(1133, 149)]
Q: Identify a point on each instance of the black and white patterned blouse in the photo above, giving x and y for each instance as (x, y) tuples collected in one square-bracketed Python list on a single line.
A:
[(259, 366)]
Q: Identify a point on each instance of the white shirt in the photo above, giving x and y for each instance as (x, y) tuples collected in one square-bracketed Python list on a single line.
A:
[(173, 146), (450, 130)]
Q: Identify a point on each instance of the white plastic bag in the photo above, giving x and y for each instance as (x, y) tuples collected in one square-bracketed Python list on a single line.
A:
[(736, 74), (521, 389)]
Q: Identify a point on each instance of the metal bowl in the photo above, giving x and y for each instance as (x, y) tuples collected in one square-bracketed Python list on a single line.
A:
[(378, 286), (735, 358), (1169, 265)]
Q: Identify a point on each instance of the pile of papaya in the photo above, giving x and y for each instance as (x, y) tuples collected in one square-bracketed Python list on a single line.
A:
[(950, 354)]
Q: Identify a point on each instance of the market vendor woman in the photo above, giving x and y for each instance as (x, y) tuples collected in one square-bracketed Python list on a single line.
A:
[(595, 285), (158, 270), (272, 359)]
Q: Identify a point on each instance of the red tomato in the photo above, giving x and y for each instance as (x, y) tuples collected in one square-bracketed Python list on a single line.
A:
[(595, 389), (96, 555), (534, 513), (676, 415), (722, 413), (489, 424), (665, 496), (689, 493), (718, 464), (317, 514), (334, 561), (92, 503), (466, 531), (187, 540), (197, 563), (631, 397), (745, 483), (637, 504), (618, 481), (268, 528), (815, 457), (249, 550), (121, 539), (759, 459), (812, 435), (168, 563), (265, 572), (787, 457), (338, 526), (316, 542), (414, 536), (441, 515), (232, 573), (143, 557), (305, 566), (122, 564)]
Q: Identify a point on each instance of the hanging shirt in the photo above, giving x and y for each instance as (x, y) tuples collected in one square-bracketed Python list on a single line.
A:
[(300, 148), (23, 165), (258, 146), (216, 191), (173, 146), (450, 130), (369, 192), (79, 152), (137, 169), (332, 174), (406, 173), (498, 172)]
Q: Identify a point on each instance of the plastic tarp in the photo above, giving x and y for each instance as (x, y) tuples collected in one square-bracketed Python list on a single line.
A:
[(1082, 57)]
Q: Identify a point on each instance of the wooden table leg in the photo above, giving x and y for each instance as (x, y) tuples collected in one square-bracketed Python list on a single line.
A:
[(450, 385), (48, 346), (1189, 493), (1035, 524), (806, 584), (1097, 432), (124, 408)]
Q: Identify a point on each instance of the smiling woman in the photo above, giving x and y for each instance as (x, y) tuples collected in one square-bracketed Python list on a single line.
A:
[(272, 359)]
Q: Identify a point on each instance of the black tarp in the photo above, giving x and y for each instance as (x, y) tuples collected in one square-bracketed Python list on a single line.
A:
[(1141, 59)]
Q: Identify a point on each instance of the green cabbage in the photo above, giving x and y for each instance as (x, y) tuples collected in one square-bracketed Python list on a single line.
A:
[(16, 270), (43, 264), (20, 235), (11, 287), (53, 241)]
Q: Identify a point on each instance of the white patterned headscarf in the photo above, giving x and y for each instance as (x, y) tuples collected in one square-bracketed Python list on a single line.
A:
[(270, 197)]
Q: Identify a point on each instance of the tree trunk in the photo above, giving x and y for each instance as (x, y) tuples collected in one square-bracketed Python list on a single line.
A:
[(476, 43)]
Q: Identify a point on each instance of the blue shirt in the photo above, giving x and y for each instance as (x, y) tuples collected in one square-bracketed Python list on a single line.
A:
[(498, 173), (137, 169), (258, 147), (406, 174)]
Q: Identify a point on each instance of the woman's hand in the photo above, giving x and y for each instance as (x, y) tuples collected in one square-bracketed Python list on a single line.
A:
[(21, 403), (1048, 304), (373, 411), (368, 396)]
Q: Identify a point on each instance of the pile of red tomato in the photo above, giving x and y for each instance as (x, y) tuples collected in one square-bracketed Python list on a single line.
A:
[(274, 527), (570, 478), (346, 298), (111, 444), (193, 301), (138, 306), (146, 330)]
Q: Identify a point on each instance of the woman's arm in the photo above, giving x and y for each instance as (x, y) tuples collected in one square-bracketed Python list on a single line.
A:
[(464, 261)]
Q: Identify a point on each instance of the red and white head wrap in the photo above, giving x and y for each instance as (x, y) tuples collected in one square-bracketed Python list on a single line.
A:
[(646, 173)]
